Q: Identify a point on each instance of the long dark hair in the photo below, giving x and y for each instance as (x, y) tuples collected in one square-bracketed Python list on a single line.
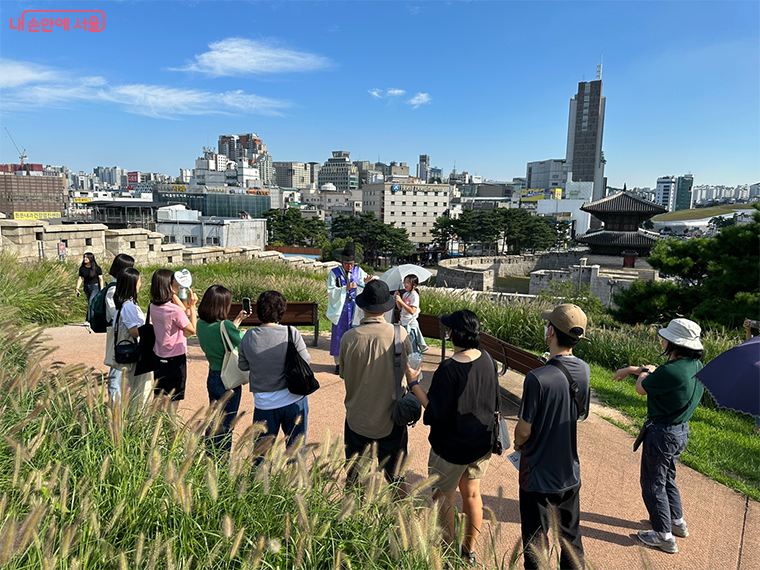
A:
[(93, 264), (121, 262), (126, 287), (161, 286), (215, 304)]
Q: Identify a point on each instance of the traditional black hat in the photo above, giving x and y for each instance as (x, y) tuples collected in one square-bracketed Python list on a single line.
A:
[(376, 297), (347, 253)]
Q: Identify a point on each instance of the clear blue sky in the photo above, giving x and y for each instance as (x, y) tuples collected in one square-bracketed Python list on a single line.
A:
[(485, 85)]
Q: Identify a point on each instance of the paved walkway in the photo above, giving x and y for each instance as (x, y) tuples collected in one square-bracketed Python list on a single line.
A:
[(724, 525)]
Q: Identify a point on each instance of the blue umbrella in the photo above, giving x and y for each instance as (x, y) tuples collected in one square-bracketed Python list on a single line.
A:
[(733, 378)]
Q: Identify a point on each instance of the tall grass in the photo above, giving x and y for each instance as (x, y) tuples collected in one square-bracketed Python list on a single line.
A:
[(89, 485), (43, 291)]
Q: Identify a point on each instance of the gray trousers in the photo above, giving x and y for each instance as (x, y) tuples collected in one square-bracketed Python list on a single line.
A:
[(663, 445)]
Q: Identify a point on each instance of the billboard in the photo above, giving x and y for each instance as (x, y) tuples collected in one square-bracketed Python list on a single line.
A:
[(535, 194), (133, 177)]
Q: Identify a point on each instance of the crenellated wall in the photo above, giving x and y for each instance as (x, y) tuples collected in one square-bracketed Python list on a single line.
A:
[(33, 240)]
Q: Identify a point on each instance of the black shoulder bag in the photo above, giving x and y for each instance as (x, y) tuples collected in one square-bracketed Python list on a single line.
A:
[(125, 351), (575, 392), (408, 409), (298, 373)]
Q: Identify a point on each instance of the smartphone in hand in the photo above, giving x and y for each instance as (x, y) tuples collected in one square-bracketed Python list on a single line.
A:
[(247, 305)]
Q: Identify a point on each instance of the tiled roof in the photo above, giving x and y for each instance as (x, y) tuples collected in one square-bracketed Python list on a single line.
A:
[(624, 202), (641, 238)]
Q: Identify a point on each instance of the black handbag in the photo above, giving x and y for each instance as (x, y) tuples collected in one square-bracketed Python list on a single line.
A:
[(125, 351), (147, 342), (408, 409), (298, 373)]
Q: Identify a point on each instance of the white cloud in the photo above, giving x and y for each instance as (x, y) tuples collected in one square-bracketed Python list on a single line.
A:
[(17, 73), (420, 99), (390, 92), (240, 57), (47, 88)]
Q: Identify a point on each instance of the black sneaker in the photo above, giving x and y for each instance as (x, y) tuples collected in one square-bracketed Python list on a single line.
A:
[(337, 370)]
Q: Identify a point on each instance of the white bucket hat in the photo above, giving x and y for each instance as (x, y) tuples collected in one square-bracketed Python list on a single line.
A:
[(683, 332)]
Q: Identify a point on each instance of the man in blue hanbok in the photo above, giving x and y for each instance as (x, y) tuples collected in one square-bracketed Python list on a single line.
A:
[(342, 284)]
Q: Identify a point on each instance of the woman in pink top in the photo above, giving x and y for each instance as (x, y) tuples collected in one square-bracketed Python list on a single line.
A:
[(171, 323)]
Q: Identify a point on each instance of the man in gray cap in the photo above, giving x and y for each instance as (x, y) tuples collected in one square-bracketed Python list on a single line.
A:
[(367, 367), (555, 397)]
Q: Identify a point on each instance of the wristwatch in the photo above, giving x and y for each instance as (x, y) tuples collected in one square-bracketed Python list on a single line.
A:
[(413, 384), (645, 369)]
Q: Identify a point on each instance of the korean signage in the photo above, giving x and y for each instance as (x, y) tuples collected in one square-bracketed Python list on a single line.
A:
[(535, 194), (59, 20), (133, 177), (35, 215), (82, 200)]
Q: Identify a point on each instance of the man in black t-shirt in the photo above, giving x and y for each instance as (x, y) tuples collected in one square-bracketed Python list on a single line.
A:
[(555, 397)]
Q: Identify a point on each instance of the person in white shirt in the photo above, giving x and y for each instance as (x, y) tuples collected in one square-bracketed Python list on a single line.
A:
[(409, 306), (126, 322), (120, 262)]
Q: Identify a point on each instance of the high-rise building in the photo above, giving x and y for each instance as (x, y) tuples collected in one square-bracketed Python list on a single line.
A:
[(339, 171), (27, 193), (684, 184), (249, 148), (665, 192), (585, 159), (422, 167)]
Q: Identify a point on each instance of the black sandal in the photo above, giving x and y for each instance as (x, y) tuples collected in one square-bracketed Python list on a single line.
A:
[(469, 558)]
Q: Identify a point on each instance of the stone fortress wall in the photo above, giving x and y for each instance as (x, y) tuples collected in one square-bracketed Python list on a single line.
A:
[(32, 240), (605, 275)]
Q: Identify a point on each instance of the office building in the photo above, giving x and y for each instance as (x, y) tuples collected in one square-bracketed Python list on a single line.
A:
[(546, 174), (292, 175), (189, 228), (585, 159), (413, 207), (225, 202), (28, 193), (339, 171), (250, 149), (422, 167), (684, 185), (665, 192)]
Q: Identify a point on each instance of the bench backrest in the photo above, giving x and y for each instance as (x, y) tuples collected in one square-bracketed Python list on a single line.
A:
[(507, 354), (301, 314)]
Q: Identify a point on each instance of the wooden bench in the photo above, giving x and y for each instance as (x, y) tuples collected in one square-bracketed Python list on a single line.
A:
[(296, 314), (507, 354)]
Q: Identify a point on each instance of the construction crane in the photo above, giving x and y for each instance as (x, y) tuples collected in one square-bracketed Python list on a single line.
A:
[(21, 153)]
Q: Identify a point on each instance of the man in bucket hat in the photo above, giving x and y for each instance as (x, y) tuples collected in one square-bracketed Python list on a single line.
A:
[(342, 287), (367, 368), (673, 394), (555, 397)]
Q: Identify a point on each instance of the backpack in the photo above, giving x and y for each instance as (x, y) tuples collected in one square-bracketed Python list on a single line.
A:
[(98, 321)]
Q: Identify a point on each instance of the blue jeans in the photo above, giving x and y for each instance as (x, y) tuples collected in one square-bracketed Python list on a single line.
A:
[(663, 445), (90, 291), (222, 439), (292, 418)]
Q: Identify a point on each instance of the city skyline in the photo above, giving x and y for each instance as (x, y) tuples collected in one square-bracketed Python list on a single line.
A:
[(485, 86)]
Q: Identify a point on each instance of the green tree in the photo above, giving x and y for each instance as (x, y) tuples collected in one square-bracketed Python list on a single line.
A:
[(292, 229), (489, 229), (539, 233), (467, 227), (515, 223), (444, 230), (716, 279)]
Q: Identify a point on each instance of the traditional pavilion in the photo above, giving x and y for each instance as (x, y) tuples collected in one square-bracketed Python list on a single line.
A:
[(621, 214)]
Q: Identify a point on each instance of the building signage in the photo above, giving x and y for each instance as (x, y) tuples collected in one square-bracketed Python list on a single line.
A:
[(395, 187), (178, 188), (82, 200), (133, 177), (35, 215), (535, 194)]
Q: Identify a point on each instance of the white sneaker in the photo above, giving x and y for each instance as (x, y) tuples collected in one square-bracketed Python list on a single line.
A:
[(680, 530), (652, 538)]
